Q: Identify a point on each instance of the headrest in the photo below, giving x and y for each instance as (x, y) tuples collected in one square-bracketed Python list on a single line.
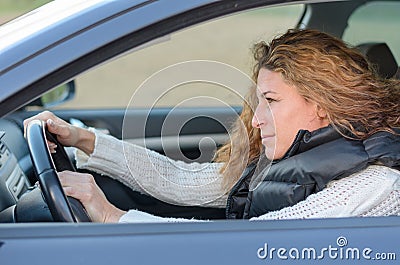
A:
[(379, 54)]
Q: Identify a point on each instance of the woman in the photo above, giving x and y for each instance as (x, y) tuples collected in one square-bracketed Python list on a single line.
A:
[(320, 131)]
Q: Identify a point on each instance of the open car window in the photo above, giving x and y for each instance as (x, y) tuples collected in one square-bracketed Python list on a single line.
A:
[(227, 40)]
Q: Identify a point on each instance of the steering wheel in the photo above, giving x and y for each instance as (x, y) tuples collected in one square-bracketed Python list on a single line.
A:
[(46, 165)]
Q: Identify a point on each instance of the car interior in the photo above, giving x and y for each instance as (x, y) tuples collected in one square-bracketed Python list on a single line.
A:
[(18, 202)]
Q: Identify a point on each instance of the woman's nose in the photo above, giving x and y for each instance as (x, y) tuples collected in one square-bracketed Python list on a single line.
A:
[(257, 120), (254, 122)]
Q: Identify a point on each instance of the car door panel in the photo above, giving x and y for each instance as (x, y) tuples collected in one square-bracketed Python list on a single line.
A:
[(207, 126), (201, 131)]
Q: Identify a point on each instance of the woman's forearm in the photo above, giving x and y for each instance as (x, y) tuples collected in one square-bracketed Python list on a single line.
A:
[(86, 141), (154, 174)]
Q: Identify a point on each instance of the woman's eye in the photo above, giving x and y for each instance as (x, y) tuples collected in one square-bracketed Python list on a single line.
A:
[(269, 100)]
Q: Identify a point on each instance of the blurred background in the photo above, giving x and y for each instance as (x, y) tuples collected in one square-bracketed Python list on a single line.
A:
[(10, 9)]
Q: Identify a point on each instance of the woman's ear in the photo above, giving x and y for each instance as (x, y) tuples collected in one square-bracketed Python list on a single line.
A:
[(318, 116), (321, 113)]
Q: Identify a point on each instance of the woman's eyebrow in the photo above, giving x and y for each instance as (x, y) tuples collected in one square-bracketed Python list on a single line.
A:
[(268, 92), (263, 94)]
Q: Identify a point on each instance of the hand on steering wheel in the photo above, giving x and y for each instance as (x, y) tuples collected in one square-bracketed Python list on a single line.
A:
[(46, 165)]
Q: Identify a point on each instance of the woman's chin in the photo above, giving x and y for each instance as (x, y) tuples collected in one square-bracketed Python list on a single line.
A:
[(270, 153)]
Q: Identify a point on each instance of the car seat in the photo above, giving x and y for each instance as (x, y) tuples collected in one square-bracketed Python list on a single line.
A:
[(379, 54)]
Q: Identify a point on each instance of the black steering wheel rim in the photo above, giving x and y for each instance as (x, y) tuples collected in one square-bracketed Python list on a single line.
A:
[(62, 208)]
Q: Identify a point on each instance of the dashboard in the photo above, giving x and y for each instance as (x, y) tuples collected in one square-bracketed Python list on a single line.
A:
[(13, 181)]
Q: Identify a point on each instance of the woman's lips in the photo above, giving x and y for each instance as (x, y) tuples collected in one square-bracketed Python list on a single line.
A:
[(266, 137)]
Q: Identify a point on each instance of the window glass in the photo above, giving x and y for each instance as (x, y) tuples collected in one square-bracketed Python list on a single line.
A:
[(366, 25), (227, 40)]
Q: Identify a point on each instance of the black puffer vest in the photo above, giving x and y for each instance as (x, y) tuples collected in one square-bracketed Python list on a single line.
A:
[(314, 159)]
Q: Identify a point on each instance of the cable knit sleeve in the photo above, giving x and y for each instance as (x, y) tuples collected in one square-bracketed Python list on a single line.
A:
[(356, 195), (148, 172)]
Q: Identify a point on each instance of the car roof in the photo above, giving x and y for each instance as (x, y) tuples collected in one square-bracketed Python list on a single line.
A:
[(61, 19), (40, 19)]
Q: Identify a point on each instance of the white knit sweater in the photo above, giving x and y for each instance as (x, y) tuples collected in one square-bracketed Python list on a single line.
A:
[(374, 191)]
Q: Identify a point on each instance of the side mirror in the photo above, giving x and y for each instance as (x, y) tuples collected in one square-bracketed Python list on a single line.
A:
[(56, 96)]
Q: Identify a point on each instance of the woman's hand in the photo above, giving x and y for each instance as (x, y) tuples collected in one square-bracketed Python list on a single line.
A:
[(67, 134), (84, 188)]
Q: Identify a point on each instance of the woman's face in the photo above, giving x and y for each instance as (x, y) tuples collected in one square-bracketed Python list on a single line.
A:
[(281, 112)]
